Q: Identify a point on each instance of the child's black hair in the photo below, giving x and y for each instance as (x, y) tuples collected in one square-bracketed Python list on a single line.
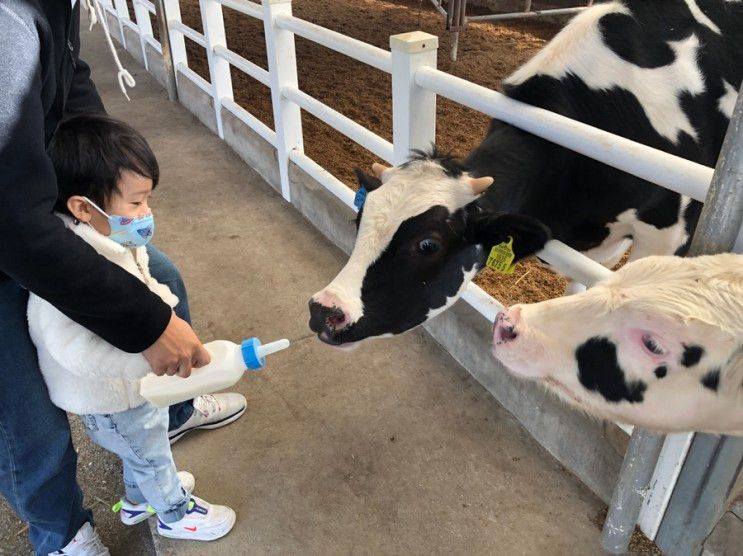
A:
[(89, 153)]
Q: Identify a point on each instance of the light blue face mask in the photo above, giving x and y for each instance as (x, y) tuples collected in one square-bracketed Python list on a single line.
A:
[(127, 231)]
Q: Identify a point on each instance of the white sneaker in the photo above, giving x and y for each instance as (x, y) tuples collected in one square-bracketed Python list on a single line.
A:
[(85, 543), (211, 411), (131, 514), (203, 522)]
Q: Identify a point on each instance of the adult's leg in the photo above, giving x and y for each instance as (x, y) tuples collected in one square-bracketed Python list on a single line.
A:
[(37, 459), (164, 271)]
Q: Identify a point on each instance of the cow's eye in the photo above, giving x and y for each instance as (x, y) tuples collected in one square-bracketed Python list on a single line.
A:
[(429, 246), (651, 345)]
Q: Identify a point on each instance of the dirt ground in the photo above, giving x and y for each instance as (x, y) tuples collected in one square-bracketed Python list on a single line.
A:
[(488, 52)]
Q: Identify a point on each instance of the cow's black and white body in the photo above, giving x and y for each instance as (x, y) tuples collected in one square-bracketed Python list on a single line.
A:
[(664, 73)]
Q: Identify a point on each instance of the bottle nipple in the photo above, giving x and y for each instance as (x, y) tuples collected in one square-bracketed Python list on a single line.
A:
[(254, 353)]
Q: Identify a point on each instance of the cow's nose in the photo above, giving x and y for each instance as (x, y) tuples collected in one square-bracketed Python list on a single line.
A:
[(504, 328), (327, 320)]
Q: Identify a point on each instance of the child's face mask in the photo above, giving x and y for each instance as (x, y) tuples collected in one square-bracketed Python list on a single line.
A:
[(128, 231)]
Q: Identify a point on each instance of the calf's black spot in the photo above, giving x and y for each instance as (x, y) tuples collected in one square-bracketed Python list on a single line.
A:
[(599, 371), (711, 380), (661, 371), (691, 355)]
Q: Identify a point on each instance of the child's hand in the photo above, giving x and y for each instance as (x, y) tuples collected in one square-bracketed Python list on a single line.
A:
[(177, 350)]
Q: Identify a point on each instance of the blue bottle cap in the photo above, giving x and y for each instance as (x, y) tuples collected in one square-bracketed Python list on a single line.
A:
[(250, 356)]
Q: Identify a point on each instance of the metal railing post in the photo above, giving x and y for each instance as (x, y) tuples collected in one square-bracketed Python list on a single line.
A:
[(456, 21), (413, 107), (629, 493), (142, 15), (717, 232), (219, 68), (173, 47), (722, 214), (713, 462), (282, 66)]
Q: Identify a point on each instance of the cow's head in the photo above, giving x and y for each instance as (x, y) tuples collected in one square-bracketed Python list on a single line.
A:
[(421, 238), (659, 344)]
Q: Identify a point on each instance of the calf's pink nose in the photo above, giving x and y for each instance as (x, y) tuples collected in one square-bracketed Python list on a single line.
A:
[(504, 328)]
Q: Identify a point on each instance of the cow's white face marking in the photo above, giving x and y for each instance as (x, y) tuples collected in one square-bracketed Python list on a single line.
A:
[(676, 327), (726, 104), (578, 47)]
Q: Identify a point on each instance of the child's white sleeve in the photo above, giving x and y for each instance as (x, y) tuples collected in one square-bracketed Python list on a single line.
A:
[(77, 349)]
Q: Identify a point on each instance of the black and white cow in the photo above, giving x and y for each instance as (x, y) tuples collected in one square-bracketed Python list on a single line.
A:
[(663, 72), (658, 344)]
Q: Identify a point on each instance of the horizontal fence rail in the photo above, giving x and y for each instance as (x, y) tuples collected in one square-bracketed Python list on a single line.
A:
[(149, 6), (531, 13), (248, 8), (251, 121), (187, 32), (131, 24), (153, 43), (672, 172), (199, 81), (245, 66), (354, 131), (322, 176), (526, 12), (569, 262), (353, 48)]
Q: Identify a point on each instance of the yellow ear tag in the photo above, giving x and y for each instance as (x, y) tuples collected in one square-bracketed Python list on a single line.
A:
[(501, 257)]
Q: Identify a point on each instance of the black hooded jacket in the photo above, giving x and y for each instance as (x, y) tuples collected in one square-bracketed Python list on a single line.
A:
[(43, 80)]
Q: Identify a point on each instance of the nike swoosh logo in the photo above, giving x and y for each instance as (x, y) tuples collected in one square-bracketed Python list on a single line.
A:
[(192, 529)]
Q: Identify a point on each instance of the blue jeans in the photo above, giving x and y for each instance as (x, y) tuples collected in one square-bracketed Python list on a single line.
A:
[(139, 437), (37, 460)]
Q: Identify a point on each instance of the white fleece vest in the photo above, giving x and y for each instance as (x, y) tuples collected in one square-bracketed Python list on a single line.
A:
[(83, 372)]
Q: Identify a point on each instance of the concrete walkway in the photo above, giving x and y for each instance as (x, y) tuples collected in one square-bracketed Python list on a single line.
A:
[(393, 448)]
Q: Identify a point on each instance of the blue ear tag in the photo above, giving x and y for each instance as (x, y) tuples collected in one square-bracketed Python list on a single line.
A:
[(360, 198)]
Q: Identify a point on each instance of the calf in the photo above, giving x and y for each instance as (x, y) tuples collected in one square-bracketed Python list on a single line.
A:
[(659, 344), (664, 73)]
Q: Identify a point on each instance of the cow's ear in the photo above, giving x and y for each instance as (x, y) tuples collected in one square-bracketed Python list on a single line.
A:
[(529, 235), (370, 183)]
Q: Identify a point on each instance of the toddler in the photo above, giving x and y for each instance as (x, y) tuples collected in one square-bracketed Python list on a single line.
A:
[(106, 172)]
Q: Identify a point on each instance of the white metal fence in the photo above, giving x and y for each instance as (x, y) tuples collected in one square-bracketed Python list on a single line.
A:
[(411, 62), (415, 84), (527, 11)]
